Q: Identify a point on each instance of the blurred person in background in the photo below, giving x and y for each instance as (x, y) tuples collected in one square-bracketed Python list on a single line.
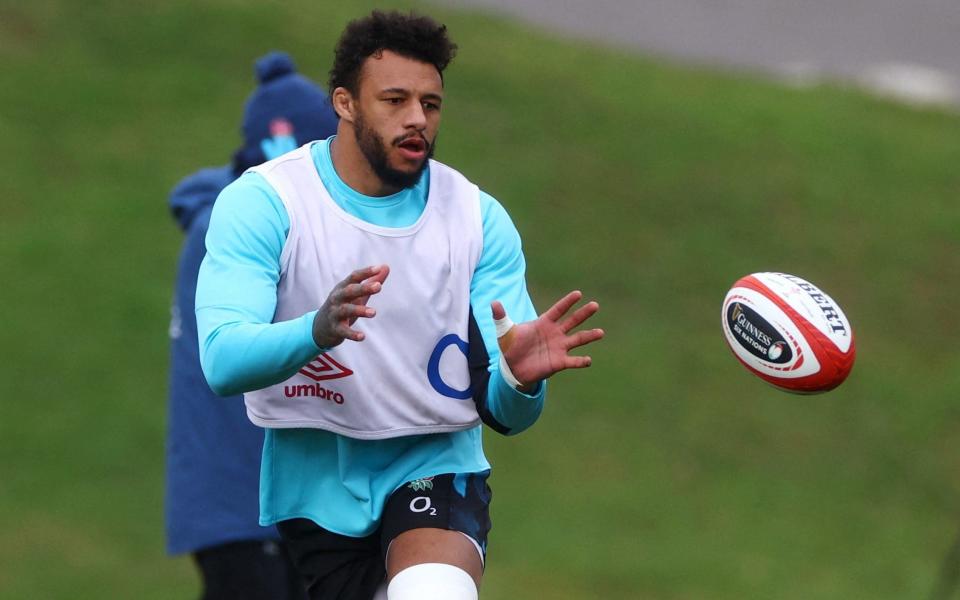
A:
[(213, 450)]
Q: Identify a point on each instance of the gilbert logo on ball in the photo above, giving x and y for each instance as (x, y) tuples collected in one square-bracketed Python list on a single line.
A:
[(788, 332)]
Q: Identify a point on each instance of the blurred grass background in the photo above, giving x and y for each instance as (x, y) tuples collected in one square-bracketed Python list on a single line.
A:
[(665, 471)]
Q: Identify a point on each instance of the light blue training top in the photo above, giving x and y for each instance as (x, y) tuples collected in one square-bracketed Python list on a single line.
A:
[(340, 483)]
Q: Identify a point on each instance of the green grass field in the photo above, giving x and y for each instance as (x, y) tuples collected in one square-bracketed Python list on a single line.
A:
[(665, 472)]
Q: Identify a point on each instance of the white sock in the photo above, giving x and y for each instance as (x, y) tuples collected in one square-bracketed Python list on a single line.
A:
[(432, 581)]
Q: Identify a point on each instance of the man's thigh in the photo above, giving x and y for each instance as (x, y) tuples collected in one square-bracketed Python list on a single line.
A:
[(248, 570), (443, 519)]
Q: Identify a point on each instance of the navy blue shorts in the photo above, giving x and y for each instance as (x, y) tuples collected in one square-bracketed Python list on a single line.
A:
[(335, 566), (249, 570)]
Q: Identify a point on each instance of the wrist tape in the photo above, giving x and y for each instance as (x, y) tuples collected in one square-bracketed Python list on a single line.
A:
[(503, 326)]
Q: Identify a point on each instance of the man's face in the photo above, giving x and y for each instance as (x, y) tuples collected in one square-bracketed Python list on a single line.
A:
[(397, 116)]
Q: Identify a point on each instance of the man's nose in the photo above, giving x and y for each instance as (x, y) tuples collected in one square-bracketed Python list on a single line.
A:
[(416, 116)]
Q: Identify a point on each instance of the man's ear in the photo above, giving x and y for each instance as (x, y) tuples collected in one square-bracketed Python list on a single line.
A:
[(342, 101)]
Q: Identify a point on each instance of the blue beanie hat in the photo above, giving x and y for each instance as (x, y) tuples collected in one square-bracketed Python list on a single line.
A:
[(282, 94)]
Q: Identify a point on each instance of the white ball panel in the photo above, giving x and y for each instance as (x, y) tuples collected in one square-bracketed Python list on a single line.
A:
[(779, 321), (813, 304)]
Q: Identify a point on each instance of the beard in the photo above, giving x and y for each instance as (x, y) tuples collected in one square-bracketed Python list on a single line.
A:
[(375, 151)]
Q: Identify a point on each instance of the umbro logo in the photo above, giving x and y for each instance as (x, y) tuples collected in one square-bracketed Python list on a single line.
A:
[(323, 367)]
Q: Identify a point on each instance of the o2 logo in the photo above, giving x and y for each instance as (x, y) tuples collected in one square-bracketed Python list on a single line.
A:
[(433, 368), (422, 504)]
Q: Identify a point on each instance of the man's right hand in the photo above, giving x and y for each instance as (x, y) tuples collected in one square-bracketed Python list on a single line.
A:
[(346, 303)]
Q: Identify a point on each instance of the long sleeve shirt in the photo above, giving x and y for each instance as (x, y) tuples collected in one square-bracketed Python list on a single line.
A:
[(339, 482)]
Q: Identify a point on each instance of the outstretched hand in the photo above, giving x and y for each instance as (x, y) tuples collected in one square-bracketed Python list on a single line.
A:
[(346, 303), (538, 349)]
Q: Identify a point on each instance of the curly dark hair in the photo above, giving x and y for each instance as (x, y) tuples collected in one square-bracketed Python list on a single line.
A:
[(410, 35)]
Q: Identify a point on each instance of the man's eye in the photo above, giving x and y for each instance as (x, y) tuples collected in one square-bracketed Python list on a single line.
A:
[(394, 101), (431, 106)]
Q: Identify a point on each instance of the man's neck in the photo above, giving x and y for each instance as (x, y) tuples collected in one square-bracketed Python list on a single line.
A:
[(352, 167)]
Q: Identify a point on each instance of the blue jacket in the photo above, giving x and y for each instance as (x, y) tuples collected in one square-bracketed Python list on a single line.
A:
[(213, 451)]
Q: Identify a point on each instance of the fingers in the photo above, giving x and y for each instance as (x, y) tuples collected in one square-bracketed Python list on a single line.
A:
[(367, 272), (346, 303), (347, 333), (352, 312), (582, 338), (381, 275), (577, 362), (357, 291), (498, 311), (361, 283), (502, 322), (338, 323), (555, 312), (579, 316)]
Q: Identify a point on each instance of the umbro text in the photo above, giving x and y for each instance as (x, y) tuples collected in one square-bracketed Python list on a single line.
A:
[(312, 390)]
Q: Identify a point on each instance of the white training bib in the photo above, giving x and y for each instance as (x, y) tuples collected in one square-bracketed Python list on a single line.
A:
[(409, 375)]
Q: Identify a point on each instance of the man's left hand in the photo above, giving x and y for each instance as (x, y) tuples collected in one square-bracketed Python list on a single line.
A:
[(537, 349)]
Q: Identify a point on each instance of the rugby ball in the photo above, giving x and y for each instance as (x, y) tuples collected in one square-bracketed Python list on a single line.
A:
[(788, 332)]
